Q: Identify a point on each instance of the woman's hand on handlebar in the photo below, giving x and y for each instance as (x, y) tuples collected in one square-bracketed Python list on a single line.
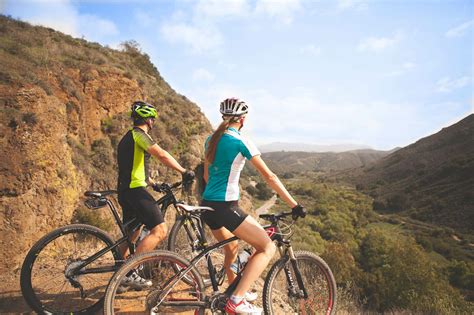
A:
[(298, 212)]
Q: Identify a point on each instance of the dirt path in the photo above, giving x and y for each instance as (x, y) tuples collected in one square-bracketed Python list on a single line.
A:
[(266, 206)]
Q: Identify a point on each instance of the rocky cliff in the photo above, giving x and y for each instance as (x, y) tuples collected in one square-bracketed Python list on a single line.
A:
[(64, 105)]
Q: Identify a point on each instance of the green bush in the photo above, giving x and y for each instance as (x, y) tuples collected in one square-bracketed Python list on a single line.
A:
[(264, 192), (84, 215)]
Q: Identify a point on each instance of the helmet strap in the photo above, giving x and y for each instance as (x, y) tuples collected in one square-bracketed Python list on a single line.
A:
[(149, 123)]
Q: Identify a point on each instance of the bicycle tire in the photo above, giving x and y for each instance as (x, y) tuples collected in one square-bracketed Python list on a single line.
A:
[(314, 271), (179, 241), (49, 259), (159, 267)]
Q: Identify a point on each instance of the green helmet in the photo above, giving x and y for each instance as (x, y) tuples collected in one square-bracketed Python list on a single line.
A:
[(143, 110)]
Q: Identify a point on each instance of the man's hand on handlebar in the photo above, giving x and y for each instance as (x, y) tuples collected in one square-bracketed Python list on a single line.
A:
[(298, 212), (188, 177)]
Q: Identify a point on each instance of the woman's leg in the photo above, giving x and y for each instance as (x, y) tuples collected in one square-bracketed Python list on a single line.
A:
[(230, 251), (252, 232)]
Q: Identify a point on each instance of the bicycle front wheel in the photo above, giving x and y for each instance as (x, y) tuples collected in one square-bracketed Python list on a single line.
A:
[(48, 281), (283, 295), (165, 293)]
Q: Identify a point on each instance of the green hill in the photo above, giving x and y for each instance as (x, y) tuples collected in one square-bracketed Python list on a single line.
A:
[(284, 162), (431, 180)]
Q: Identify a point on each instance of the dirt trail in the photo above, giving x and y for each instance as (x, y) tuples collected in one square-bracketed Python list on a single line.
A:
[(266, 206)]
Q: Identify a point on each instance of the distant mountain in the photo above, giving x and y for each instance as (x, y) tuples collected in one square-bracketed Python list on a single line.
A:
[(431, 180), (304, 147), (284, 162)]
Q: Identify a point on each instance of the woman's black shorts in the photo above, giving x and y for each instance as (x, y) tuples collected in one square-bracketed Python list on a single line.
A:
[(226, 214), (139, 203)]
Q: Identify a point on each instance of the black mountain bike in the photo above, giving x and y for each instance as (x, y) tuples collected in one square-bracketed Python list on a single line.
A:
[(299, 282), (68, 269)]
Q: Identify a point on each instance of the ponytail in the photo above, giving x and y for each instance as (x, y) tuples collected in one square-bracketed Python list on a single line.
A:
[(216, 136)]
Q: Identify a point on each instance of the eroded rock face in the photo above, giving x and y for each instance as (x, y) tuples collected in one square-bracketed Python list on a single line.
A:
[(64, 105)]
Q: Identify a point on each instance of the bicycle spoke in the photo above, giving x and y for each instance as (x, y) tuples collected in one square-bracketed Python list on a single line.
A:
[(161, 272), (60, 257), (284, 294)]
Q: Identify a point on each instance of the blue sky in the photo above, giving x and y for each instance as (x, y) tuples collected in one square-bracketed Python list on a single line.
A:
[(378, 73)]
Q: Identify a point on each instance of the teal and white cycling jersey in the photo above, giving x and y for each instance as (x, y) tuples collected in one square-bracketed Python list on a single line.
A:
[(224, 173)]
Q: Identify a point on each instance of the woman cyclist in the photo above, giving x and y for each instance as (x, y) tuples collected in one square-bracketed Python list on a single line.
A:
[(226, 151)]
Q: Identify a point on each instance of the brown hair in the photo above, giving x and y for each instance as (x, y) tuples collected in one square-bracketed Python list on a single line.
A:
[(216, 136)]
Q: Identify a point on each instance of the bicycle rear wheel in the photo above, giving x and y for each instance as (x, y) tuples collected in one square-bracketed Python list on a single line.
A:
[(159, 267), (47, 279), (281, 297)]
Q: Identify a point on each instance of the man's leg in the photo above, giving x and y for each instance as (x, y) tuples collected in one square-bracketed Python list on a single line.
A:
[(123, 248), (151, 241)]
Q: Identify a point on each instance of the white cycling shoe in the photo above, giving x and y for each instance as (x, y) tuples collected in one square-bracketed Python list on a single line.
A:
[(243, 307), (251, 296), (134, 281)]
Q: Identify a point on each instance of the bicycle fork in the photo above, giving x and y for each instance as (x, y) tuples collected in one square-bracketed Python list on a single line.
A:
[(295, 289)]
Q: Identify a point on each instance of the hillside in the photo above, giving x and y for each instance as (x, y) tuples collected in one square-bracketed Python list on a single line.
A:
[(430, 180), (64, 106), (305, 147), (284, 162)]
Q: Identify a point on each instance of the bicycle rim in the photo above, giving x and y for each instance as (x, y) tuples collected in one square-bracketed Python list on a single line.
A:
[(159, 267), (282, 298), (44, 281)]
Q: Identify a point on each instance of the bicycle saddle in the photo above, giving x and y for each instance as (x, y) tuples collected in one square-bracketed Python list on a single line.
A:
[(189, 208), (98, 194)]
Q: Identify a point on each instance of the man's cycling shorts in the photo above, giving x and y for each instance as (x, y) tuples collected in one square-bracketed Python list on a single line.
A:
[(139, 203), (226, 214)]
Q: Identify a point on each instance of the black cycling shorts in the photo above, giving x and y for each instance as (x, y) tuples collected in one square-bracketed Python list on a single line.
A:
[(139, 203), (226, 214)]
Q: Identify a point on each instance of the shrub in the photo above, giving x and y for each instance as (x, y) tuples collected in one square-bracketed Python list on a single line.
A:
[(263, 191), (251, 190), (84, 215)]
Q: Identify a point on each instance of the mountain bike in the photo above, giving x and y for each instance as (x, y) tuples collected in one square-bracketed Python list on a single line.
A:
[(67, 270), (299, 282)]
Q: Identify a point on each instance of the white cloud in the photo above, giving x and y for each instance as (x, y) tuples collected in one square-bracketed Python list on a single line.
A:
[(460, 30), (200, 38), (283, 10), (222, 8), (311, 50), (202, 75), (378, 44), (352, 4), (404, 68), (95, 28), (63, 16), (446, 84), (198, 25)]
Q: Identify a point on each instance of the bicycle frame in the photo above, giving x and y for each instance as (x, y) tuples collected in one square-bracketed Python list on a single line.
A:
[(164, 202), (273, 230)]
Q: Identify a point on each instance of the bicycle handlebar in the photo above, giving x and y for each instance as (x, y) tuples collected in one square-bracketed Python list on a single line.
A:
[(165, 187), (275, 217)]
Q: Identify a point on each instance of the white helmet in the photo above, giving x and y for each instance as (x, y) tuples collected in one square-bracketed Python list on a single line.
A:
[(233, 107)]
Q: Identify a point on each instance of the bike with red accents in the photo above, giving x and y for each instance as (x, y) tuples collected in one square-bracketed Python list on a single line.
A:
[(299, 282)]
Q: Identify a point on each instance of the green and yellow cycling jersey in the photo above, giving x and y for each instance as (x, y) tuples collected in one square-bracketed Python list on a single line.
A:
[(133, 159)]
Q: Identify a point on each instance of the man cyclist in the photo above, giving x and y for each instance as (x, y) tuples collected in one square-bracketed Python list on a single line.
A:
[(133, 154)]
